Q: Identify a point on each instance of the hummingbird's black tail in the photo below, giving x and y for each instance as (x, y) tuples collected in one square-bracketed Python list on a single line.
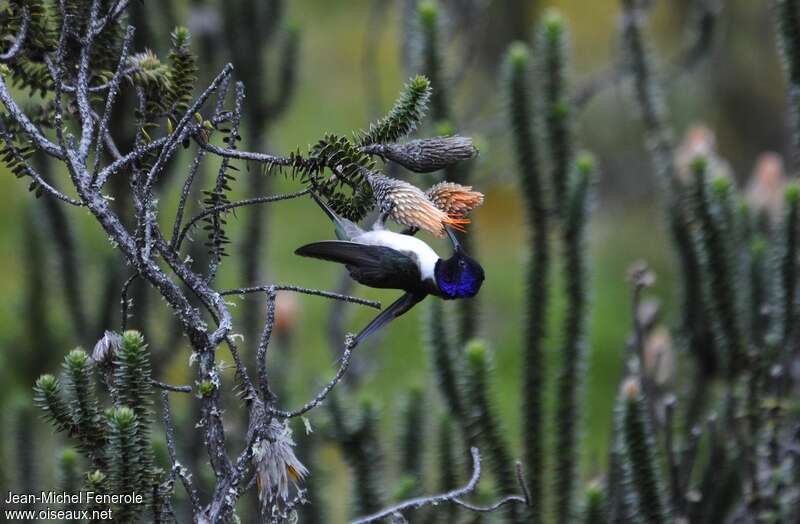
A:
[(341, 251), (398, 307)]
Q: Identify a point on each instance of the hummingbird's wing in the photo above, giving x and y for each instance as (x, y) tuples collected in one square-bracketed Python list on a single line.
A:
[(398, 307), (373, 266), (345, 229)]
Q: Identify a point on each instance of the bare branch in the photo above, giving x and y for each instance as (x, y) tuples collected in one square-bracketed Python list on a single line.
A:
[(248, 155), (31, 172), (241, 370), (263, 345), (57, 73), (193, 170), (178, 240), (137, 153), (125, 301), (349, 344), (177, 469), (183, 129), (140, 151), (114, 13), (112, 95), (16, 46), (25, 123), (198, 286), (169, 387), (304, 290), (185, 190), (452, 496), (82, 87)]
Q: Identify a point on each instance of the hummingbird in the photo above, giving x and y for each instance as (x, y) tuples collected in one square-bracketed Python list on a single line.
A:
[(384, 259)]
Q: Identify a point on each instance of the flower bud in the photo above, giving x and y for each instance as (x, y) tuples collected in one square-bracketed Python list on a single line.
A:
[(766, 186), (106, 348), (699, 143), (659, 357)]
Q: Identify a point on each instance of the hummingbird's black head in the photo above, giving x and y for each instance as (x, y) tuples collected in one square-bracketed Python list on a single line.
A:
[(460, 276)]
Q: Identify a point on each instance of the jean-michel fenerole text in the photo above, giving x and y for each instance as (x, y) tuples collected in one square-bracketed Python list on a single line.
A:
[(81, 497)]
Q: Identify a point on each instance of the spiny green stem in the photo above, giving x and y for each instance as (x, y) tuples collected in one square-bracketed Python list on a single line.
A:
[(714, 239), (523, 125), (558, 112), (574, 348), (640, 451), (483, 425)]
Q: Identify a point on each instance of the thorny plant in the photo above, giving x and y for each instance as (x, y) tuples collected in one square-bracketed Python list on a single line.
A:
[(78, 56)]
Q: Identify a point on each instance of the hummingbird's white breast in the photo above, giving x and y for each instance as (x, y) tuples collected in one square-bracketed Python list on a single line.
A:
[(425, 256)]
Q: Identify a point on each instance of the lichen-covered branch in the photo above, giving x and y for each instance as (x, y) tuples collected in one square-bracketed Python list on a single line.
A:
[(455, 497)]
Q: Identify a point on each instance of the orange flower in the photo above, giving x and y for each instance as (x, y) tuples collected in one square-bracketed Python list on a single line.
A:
[(406, 204), (454, 199)]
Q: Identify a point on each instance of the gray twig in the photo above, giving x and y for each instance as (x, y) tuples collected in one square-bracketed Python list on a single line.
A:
[(303, 290), (349, 344), (19, 40), (177, 469), (453, 496), (169, 387), (113, 90), (232, 205)]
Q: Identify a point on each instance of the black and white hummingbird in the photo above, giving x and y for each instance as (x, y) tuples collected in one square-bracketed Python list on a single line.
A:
[(384, 259)]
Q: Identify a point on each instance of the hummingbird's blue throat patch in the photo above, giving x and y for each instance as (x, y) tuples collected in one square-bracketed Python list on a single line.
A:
[(467, 284)]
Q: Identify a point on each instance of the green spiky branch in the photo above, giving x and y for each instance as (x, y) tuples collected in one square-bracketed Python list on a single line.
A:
[(117, 443), (360, 441), (413, 432), (523, 126), (788, 266), (570, 378), (640, 452), (482, 423), (594, 507), (552, 41), (405, 115), (715, 240)]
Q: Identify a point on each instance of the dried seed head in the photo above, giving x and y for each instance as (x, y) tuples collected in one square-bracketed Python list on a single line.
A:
[(766, 187), (106, 348), (276, 464), (454, 199), (406, 204)]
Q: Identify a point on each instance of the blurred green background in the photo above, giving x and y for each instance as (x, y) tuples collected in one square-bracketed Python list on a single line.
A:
[(738, 91)]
